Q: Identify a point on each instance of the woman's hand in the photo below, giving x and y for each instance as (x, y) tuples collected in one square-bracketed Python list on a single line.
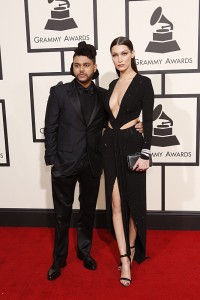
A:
[(139, 126), (141, 165)]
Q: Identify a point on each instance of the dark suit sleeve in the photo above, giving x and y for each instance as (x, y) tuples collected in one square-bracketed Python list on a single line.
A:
[(51, 127), (147, 109)]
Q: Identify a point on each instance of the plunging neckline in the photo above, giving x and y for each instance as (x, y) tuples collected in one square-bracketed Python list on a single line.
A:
[(122, 97)]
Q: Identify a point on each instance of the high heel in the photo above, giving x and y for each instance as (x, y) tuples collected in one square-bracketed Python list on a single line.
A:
[(127, 281), (120, 264)]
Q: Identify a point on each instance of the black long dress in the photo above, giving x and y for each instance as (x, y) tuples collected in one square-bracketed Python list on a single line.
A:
[(117, 144)]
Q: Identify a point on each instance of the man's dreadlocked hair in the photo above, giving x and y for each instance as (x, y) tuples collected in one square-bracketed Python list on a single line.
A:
[(88, 50)]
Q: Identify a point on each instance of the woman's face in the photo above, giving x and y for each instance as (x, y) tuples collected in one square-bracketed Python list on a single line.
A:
[(121, 56)]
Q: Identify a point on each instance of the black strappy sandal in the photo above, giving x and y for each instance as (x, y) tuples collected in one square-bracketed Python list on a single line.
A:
[(128, 280), (120, 264)]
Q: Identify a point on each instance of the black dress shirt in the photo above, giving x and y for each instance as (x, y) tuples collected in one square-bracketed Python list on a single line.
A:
[(87, 99)]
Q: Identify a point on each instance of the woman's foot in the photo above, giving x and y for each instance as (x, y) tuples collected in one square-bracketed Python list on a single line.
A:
[(125, 278)]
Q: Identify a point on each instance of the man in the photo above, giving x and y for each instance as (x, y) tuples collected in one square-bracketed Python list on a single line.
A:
[(74, 121)]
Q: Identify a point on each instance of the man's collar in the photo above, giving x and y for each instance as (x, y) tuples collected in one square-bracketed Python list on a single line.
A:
[(81, 89)]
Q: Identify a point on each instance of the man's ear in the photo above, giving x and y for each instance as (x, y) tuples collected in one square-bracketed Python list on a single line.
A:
[(96, 74)]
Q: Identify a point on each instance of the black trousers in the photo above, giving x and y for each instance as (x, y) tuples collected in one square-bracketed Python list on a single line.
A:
[(63, 197)]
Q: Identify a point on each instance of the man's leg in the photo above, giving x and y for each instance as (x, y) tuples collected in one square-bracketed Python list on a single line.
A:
[(89, 188), (63, 196)]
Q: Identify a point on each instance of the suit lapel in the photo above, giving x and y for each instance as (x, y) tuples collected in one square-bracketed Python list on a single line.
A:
[(74, 98), (96, 107)]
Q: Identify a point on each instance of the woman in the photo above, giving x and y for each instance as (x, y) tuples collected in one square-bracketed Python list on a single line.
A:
[(127, 96)]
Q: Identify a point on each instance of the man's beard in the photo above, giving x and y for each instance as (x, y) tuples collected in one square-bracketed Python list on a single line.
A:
[(85, 79)]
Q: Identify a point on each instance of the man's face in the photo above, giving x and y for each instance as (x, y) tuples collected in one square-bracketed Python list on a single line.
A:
[(84, 69)]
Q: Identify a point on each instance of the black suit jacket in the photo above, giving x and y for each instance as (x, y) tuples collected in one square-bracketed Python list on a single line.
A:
[(67, 135)]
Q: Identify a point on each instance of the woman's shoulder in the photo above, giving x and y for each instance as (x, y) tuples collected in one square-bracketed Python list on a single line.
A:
[(113, 82), (144, 79), (145, 84)]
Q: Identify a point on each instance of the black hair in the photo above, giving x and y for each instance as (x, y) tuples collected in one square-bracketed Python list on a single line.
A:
[(122, 40), (88, 50)]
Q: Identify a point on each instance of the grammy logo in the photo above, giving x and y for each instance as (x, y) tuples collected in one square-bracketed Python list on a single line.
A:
[(163, 37), (60, 17), (162, 132)]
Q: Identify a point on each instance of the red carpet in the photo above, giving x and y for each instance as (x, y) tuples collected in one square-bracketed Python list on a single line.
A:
[(172, 272)]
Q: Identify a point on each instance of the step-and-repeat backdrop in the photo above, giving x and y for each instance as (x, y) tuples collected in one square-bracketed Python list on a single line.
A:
[(37, 39)]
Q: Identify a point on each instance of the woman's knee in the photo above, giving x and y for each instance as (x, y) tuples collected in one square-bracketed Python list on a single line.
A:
[(116, 205)]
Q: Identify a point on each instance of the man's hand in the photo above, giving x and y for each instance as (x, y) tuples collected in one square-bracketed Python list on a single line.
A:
[(139, 126)]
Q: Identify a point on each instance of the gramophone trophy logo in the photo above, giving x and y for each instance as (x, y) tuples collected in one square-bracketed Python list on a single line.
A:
[(60, 17), (60, 24), (163, 129), (163, 41)]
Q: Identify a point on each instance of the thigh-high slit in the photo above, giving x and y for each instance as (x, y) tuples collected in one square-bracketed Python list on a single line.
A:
[(117, 144)]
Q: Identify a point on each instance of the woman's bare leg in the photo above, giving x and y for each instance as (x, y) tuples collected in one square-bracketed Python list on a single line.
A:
[(119, 233)]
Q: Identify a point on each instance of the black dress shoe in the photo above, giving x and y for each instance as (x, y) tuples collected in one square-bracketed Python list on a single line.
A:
[(88, 262), (54, 271)]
